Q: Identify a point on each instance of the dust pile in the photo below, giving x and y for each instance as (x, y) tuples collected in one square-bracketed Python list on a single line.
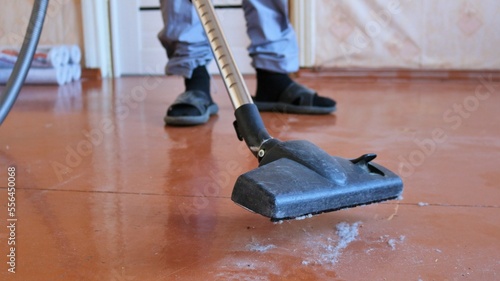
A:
[(332, 250)]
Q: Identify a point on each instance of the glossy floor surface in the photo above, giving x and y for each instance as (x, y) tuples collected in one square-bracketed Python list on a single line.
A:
[(106, 192)]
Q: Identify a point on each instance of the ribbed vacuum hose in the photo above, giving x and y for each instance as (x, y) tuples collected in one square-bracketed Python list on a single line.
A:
[(16, 79)]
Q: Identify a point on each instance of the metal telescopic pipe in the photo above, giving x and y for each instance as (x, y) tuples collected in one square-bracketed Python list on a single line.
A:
[(249, 125), (233, 80)]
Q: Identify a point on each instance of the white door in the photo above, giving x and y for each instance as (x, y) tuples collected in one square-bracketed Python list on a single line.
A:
[(135, 46)]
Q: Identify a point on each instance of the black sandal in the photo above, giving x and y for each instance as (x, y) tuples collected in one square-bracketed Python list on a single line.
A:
[(196, 99), (300, 100)]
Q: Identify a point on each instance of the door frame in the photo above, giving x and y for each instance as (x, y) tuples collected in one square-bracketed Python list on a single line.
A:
[(96, 36), (302, 17)]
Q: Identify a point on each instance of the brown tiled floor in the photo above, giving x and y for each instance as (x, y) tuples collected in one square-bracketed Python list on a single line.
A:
[(106, 192)]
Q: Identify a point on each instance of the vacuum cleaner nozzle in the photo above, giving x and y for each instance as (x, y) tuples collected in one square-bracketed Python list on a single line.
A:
[(297, 178), (294, 178)]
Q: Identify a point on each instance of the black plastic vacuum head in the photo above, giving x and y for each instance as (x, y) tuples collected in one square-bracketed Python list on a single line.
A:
[(294, 178), (297, 178)]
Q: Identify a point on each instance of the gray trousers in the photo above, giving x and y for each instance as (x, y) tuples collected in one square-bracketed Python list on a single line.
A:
[(273, 42)]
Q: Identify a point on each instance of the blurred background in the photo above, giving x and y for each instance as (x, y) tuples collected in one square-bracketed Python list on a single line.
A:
[(119, 37)]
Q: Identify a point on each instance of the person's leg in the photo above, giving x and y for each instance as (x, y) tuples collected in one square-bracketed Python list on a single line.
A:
[(273, 41), (274, 52), (183, 38), (273, 47), (188, 54)]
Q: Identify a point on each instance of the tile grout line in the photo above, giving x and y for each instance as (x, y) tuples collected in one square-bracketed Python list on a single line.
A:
[(226, 197), (444, 205), (114, 192)]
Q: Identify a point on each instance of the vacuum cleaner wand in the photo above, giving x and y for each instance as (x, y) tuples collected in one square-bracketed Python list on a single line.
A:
[(249, 128), (294, 178)]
